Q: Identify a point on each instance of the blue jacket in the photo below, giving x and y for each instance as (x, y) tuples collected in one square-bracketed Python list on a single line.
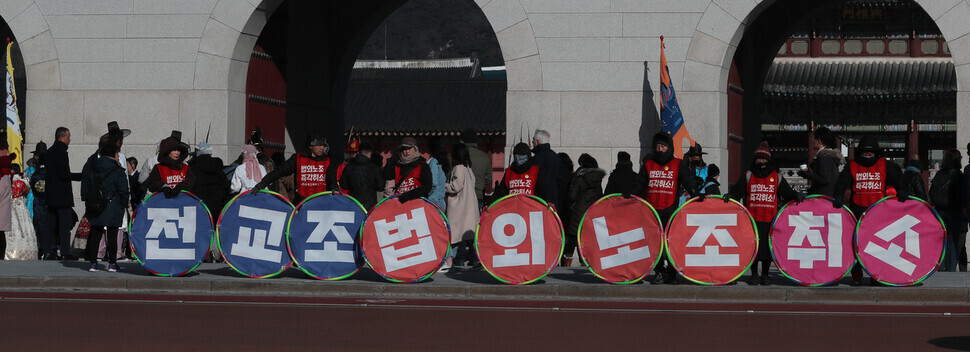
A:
[(438, 177)]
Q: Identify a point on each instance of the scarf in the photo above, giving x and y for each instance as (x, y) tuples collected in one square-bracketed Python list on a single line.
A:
[(252, 166), (404, 160)]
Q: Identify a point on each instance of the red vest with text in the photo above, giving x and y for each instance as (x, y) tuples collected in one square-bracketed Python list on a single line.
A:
[(662, 186), (762, 199), (524, 183), (170, 176), (868, 183), (340, 172), (411, 181), (311, 175)]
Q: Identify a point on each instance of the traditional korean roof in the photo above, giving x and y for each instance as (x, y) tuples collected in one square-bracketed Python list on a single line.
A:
[(860, 76)]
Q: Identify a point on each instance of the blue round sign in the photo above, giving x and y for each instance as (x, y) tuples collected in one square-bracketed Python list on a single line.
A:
[(171, 236), (250, 233), (322, 236)]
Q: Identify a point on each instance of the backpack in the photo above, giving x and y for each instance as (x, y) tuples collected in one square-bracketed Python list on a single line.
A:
[(940, 189), (95, 201)]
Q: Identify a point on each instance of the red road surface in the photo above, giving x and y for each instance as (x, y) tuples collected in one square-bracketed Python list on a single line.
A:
[(33, 321)]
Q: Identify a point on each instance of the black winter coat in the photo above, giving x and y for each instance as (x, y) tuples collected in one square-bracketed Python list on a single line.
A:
[(210, 183), (362, 179), (584, 190), (547, 187), (623, 179), (114, 185), (60, 193), (823, 172), (913, 181)]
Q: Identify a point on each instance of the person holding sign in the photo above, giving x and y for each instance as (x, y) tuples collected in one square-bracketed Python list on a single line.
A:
[(171, 175), (869, 177), (522, 175), (662, 176), (759, 189), (408, 175), (311, 167)]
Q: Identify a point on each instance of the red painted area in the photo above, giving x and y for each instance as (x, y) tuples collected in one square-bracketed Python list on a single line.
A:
[(264, 80)]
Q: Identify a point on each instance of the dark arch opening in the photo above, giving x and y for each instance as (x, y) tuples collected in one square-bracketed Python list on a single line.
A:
[(760, 85)]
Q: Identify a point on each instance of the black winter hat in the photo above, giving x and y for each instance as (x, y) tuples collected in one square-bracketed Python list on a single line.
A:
[(520, 149), (586, 160), (662, 138), (868, 144)]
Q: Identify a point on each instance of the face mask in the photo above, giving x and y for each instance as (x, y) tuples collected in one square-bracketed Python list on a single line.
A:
[(761, 165), (521, 159)]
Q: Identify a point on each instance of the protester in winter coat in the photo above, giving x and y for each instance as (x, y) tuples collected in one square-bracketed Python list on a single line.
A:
[(249, 173), (663, 176), (622, 179), (462, 204), (60, 196), (868, 176), (951, 210), (759, 190), (439, 166), (710, 185), (481, 165), (42, 220), (521, 177), (823, 172), (210, 183), (913, 179), (114, 186), (171, 175), (407, 175), (362, 178), (314, 170), (584, 190), (549, 168)]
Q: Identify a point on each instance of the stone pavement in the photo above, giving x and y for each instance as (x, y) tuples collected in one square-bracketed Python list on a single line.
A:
[(563, 284)]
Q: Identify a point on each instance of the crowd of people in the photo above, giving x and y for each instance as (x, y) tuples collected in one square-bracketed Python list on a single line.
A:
[(37, 216)]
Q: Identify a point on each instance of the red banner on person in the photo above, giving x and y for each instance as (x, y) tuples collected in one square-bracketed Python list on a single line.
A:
[(519, 239), (711, 242), (405, 242), (900, 243), (621, 239), (811, 242)]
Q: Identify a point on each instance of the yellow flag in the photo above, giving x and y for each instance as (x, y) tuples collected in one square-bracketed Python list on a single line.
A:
[(15, 138)]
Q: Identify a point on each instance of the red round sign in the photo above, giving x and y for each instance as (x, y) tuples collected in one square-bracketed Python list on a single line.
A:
[(711, 242), (519, 239), (621, 239), (405, 242), (900, 243)]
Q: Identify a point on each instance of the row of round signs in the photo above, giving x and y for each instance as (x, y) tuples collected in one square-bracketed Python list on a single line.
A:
[(520, 238)]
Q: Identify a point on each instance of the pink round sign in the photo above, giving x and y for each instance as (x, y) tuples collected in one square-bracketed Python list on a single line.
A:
[(811, 242), (900, 243)]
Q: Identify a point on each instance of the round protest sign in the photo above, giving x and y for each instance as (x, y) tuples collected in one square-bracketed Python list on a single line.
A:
[(171, 236), (519, 239), (711, 242), (250, 233), (321, 235), (811, 242), (405, 242), (900, 243), (621, 239)]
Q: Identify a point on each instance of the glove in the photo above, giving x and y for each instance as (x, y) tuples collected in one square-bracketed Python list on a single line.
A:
[(838, 202), (258, 187), (726, 197), (627, 195), (170, 192), (404, 197), (902, 195), (701, 197), (799, 198)]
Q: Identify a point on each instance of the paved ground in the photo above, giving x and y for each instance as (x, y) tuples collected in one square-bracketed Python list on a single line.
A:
[(563, 284)]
